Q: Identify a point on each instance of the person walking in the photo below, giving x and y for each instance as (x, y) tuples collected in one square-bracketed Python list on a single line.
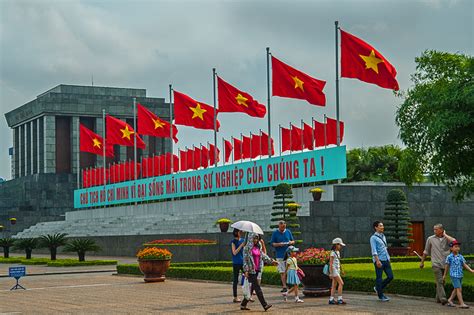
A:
[(264, 250), (335, 271), (292, 278), (437, 246), (381, 259), (455, 262), (281, 239), (237, 245), (254, 258)]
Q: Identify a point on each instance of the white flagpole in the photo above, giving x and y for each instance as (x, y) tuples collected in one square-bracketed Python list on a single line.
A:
[(302, 135), (280, 140), (171, 129), (325, 134), (312, 133), (268, 103), (214, 74)]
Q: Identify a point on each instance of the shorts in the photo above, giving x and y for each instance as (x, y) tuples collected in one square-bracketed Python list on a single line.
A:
[(281, 268), (457, 282)]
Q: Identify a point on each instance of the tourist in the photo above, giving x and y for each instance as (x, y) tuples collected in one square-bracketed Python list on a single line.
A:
[(292, 278), (264, 250), (237, 260), (381, 259), (281, 239), (455, 263), (437, 246), (335, 271), (254, 258)]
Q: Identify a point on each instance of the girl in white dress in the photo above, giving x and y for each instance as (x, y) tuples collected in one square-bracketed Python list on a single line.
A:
[(335, 271)]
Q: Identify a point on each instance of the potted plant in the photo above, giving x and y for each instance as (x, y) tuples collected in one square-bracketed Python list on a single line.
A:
[(6, 243), (52, 242), (317, 193), (312, 262), (223, 224), (397, 223), (153, 263), (81, 246), (12, 221), (293, 207)]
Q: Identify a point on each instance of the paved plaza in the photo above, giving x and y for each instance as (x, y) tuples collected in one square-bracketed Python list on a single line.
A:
[(105, 293)]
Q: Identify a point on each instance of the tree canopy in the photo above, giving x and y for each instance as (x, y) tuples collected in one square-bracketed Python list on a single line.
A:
[(436, 120)]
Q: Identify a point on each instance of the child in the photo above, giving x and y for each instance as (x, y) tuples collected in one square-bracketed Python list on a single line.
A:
[(292, 279), (335, 271), (455, 263)]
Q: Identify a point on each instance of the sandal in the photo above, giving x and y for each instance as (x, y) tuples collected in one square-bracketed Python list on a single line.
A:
[(450, 304), (464, 306)]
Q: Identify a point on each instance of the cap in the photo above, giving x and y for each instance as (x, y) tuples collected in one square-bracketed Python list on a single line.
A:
[(281, 222), (455, 242), (338, 240), (292, 249)]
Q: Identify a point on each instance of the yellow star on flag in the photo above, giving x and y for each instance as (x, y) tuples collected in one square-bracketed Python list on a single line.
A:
[(371, 61), (198, 111), (127, 132), (298, 83), (241, 100), (158, 123), (97, 142)]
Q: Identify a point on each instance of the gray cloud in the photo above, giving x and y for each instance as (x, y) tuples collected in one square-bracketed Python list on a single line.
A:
[(149, 44)]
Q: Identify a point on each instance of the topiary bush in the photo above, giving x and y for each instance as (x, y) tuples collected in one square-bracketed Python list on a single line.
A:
[(281, 210), (396, 219)]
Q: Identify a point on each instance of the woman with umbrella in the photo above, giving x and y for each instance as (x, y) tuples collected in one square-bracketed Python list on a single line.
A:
[(254, 258)]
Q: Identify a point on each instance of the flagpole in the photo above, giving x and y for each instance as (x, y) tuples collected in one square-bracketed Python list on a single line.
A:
[(223, 150), (279, 135), (260, 143), (171, 128), (233, 149), (302, 135), (268, 103), (325, 134), (215, 114), (78, 154), (291, 138), (338, 134), (312, 133), (104, 158), (187, 162)]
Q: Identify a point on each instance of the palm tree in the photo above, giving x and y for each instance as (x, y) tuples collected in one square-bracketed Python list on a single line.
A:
[(26, 244), (53, 241), (81, 246), (6, 243)]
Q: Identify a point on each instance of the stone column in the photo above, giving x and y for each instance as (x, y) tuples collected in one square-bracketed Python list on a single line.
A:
[(28, 149), (38, 145), (49, 144), (74, 143), (21, 151), (16, 137)]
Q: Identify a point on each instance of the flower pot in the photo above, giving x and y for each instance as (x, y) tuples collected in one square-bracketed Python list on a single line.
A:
[(398, 251), (315, 282), (12, 222), (224, 226), (317, 195), (154, 270)]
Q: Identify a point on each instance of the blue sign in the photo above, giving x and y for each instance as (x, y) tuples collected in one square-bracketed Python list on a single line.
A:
[(16, 272), (296, 168)]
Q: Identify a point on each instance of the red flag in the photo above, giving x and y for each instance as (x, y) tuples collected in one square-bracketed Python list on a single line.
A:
[(237, 149), (264, 138), (182, 160), (285, 139), (256, 145), (296, 138), (289, 82), (331, 131), (360, 60), (228, 147), (189, 112), (190, 159), (152, 125), (319, 136), (246, 147), (212, 152), (204, 157), (93, 143), (196, 158), (308, 139), (233, 100), (119, 132), (85, 178)]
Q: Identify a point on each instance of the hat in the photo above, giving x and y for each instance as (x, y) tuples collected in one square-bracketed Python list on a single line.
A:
[(292, 249), (338, 240), (281, 222), (455, 242)]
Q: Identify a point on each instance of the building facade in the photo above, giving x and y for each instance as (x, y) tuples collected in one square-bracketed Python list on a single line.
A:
[(45, 130)]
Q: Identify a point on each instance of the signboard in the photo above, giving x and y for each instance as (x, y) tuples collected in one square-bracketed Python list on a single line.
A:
[(297, 168), (16, 272)]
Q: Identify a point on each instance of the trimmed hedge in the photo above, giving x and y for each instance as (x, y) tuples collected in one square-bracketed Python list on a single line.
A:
[(351, 283), (11, 260), (73, 262)]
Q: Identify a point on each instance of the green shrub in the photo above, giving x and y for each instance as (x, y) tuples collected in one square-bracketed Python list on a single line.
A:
[(10, 260), (52, 242), (81, 247), (73, 262)]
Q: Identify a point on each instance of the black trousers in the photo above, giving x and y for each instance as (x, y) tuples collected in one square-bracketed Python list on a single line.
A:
[(235, 281), (258, 290)]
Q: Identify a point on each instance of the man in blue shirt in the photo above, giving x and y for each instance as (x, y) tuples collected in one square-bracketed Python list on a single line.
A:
[(381, 259), (281, 239)]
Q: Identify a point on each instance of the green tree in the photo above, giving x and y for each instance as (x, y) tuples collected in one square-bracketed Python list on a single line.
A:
[(436, 120), (26, 244), (6, 243), (81, 246), (281, 210), (52, 242), (396, 219)]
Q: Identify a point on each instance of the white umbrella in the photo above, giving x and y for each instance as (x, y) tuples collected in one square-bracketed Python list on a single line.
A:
[(247, 226)]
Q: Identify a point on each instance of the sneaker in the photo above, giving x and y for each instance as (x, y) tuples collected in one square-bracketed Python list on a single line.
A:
[(384, 298), (341, 302), (266, 307), (237, 300), (332, 302), (284, 290), (298, 300)]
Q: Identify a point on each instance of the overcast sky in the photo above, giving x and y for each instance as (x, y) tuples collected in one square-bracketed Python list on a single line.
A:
[(149, 44)]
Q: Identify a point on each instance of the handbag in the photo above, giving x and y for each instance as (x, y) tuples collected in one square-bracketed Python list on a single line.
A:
[(326, 269), (246, 289), (300, 274)]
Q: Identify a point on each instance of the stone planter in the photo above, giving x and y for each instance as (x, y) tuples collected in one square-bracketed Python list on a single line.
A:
[(398, 251), (317, 195), (315, 282), (154, 270), (224, 226)]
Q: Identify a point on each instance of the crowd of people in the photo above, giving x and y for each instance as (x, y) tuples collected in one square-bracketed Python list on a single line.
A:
[(249, 256)]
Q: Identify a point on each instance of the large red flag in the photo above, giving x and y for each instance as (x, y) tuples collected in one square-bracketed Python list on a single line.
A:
[(361, 61), (289, 82), (264, 139), (121, 133), (228, 147), (246, 147), (93, 143), (319, 134), (150, 124), (331, 130), (237, 149), (296, 138), (213, 159), (285, 139), (256, 145), (190, 112), (233, 100), (308, 139)]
